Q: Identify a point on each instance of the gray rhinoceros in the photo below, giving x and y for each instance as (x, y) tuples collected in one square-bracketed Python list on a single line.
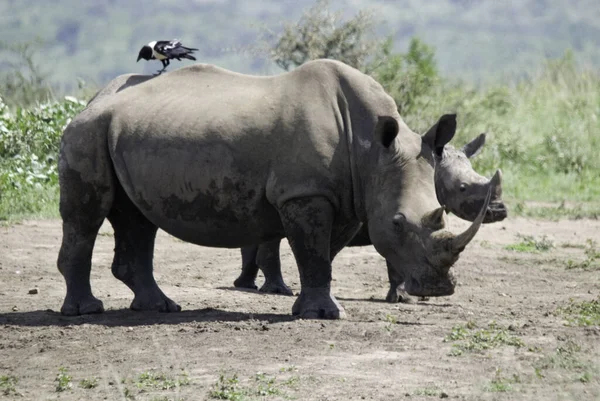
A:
[(458, 187), (223, 159)]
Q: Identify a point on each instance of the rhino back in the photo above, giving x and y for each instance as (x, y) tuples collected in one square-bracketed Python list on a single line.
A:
[(202, 150)]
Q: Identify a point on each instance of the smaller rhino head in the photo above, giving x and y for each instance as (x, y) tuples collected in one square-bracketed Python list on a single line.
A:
[(461, 189)]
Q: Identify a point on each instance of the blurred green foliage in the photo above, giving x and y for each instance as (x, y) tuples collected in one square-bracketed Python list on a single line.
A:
[(543, 129)]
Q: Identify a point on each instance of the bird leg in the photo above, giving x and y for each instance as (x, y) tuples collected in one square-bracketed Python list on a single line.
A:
[(165, 64)]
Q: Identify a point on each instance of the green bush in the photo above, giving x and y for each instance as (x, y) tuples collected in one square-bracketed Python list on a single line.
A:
[(29, 145)]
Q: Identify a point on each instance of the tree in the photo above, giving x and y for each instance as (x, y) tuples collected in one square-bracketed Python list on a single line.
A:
[(321, 33)]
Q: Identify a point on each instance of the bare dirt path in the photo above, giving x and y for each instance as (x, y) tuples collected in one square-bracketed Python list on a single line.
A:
[(499, 337)]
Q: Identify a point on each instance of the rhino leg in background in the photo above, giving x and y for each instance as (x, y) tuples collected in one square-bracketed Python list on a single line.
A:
[(134, 252), (268, 260), (247, 278), (308, 226), (266, 257)]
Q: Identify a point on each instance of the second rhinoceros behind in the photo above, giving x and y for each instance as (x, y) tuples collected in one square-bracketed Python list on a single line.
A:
[(228, 160), (458, 187)]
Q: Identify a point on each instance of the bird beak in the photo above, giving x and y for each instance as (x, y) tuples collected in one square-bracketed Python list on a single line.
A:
[(139, 57)]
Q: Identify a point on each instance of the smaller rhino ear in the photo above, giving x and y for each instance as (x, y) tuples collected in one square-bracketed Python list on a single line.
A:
[(441, 133), (435, 220), (474, 147)]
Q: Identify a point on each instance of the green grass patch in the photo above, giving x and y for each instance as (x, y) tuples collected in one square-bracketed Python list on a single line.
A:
[(591, 260), (8, 385), (502, 383), (63, 380), (429, 391), (567, 357), (471, 338), (89, 383), (584, 313), (160, 381), (529, 243), (588, 210), (262, 385), (228, 388)]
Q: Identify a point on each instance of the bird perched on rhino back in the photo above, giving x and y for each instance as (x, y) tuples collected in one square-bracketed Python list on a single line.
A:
[(166, 50)]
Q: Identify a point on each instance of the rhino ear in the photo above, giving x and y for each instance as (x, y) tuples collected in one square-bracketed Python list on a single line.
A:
[(386, 130), (441, 133), (474, 147)]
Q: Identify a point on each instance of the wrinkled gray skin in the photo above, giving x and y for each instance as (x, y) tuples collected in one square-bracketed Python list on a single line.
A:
[(228, 160), (460, 188)]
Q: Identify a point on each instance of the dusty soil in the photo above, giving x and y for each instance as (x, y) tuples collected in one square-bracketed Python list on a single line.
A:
[(380, 352)]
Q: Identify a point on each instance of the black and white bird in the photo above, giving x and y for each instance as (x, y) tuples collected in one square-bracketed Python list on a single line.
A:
[(166, 50)]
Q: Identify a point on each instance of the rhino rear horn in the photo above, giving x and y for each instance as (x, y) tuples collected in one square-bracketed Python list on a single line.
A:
[(435, 220), (462, 240)]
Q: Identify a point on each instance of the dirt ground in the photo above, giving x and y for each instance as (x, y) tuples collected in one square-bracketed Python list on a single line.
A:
[(243, 345)]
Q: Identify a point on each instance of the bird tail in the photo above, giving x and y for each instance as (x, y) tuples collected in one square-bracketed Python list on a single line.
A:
[(189, 57)]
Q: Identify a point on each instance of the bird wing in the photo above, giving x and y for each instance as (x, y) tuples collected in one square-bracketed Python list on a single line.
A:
[(174, 49)]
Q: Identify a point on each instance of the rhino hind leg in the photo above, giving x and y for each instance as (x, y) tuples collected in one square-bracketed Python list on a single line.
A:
[(268, 260), (134, 253), (85, 199), (308, 224), (247, 278)]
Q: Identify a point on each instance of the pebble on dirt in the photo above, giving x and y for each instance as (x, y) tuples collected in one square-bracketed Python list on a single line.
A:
[(34, 291)]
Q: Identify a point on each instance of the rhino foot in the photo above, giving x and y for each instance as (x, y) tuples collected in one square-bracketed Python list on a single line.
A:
[(317, 303), (276, 287), (398, 295), (245, 282), (154, 302), (84, 306)]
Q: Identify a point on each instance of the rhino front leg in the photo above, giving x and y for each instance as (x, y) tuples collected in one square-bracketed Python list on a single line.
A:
[(134, 253), (268, 260), (396, 292), (247, 278), (308, 224)]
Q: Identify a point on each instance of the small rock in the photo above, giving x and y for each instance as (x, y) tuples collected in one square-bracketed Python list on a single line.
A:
[(34, 291), (14, 308), (443, 395)]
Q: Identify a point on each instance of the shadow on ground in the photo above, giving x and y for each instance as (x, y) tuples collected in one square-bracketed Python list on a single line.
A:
[(127, 317)]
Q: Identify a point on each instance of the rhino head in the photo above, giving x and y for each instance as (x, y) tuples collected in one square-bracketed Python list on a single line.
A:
[(406, 223), (461, 189)]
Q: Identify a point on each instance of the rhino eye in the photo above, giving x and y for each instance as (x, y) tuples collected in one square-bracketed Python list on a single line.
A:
[(399, 220), (463, 187)]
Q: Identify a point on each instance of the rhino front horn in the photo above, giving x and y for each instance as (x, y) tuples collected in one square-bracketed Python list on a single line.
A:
[(496, 183), (462, 240)]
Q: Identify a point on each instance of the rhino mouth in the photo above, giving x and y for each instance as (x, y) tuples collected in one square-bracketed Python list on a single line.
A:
[(495, 212), (430, 288)]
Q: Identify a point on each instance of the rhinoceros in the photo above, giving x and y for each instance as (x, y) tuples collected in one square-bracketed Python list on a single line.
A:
[(222, 159), (458, 187)]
